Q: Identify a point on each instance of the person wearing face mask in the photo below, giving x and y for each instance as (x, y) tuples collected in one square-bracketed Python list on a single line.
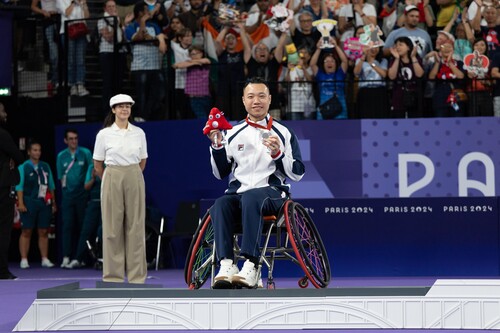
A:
[(122, 147), (258, 156), (10, 158)]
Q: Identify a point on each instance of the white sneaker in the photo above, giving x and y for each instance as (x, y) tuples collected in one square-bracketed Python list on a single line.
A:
[(24, 264), (226, 272), (81, 90), (47, 263), (247, 277), (73, 91), (74, 264), (65, 262)]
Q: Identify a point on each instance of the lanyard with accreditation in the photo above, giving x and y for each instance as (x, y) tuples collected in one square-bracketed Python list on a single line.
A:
[(43, 187), (63, 179)]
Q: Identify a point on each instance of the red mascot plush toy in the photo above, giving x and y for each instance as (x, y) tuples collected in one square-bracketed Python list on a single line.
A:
[(216, 120)]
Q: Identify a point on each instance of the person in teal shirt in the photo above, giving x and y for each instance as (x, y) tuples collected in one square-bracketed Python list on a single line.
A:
[(36, 203), (72, 165), (92, 223)]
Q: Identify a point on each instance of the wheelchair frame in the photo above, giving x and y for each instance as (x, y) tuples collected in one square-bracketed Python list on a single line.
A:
[(297, 239)]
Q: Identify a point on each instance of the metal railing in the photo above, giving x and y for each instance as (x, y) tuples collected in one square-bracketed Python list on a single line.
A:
[(33, 68)]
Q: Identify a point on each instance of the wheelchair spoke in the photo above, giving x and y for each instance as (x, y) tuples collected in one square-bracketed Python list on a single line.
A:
[(198, 265), (203, 255), (309, 243), (310, 251)]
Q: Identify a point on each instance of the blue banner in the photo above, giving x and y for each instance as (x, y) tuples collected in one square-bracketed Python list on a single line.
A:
[(352, 189), (386, 158)]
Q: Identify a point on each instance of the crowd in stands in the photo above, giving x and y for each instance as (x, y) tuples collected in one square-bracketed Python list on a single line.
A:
[(438, 58)]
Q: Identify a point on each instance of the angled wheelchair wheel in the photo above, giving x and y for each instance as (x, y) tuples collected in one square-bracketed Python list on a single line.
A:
[(307, 244), (199, 260)]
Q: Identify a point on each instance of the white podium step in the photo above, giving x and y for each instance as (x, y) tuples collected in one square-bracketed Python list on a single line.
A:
[(448, 304)]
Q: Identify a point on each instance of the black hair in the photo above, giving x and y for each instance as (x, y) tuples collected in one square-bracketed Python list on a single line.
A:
[(31, 143), (256, 80), (106, 2), (407, 41), (306, 47), (70, 130), (138, 7), (480, 39), (182, 33), (328, 53), (111, 117), (358, 27), (197, 48), (109, 120)]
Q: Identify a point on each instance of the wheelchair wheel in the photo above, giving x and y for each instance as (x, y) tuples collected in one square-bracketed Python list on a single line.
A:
[(199, 261), (307, 244)]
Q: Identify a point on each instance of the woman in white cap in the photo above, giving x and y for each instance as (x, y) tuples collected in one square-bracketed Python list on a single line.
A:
[(122, 147)]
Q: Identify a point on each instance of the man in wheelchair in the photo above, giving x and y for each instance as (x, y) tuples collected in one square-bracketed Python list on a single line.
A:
[(257, 154)]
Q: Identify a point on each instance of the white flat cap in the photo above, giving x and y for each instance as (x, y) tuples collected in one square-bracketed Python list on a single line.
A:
[(119, 99)]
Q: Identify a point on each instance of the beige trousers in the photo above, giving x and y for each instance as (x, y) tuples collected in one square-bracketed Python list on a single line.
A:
[(123, 202)]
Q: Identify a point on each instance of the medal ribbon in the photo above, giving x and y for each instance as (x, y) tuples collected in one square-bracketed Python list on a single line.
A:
[(268, 127)]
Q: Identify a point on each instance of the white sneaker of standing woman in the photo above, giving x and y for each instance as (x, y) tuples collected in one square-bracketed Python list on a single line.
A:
[(81, 90)]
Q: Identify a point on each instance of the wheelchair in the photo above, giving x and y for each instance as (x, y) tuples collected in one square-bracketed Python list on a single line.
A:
[(296, 239)]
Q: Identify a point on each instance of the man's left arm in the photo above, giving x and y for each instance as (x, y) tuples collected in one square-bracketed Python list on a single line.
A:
[(290, 161)]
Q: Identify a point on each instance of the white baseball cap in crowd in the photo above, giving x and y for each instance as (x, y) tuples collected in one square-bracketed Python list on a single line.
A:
[(448, 35), (409, 8), (119, 99)]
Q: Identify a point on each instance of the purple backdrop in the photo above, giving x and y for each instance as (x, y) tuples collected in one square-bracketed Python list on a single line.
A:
[(444, 142), (356, 162), (344, 159)]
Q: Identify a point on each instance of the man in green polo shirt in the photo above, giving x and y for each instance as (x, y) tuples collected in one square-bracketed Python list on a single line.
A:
[(72, 165)]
